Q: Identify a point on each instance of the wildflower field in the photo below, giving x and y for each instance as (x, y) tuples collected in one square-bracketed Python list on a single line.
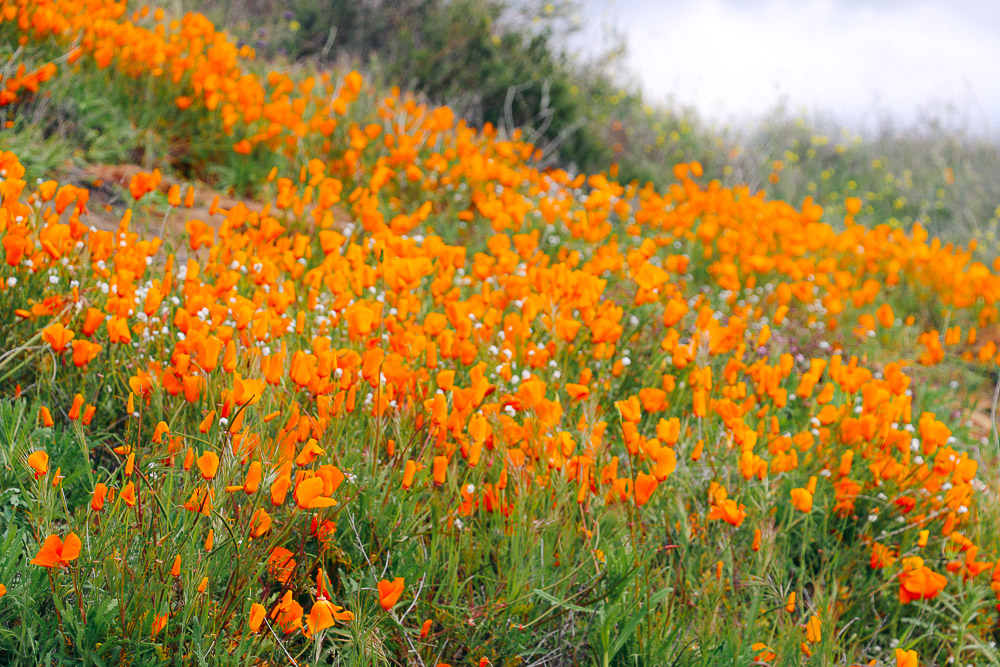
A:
[(408, 398)]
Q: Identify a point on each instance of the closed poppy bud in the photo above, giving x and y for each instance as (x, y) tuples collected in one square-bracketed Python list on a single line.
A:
[(74, 412), (208, 464), (3, 590), (260, 523), (814, 634), (57, 478), (128, 494), (209, 540), (389, 592), (756, 540), (425, 629), (203, 585), (175, 570), (39, 462), (408, 473), (100, 493), (88, 414), (188, 459), (922, 538), (257, 613), (129, 464), (790, 605), (45, 416), (279, 489), (252, 482), (440, 469)]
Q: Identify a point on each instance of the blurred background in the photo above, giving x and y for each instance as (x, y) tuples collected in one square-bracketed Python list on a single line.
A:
[(859, 62)]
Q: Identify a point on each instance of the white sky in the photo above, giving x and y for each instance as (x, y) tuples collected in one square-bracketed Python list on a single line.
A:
[(853, 60)]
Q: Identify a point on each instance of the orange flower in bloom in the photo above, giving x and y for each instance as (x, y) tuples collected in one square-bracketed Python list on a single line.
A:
[(159, 623), (260, 523), (208, 464), (56, 552), (100, 492), (885, 316), (802, 500), (765, 654), (3, 590), (389, 592), (440, 469), (644, 487), (919, 582), (257, 613), (728, 511), (39, 462), (906, 658), (281, 564), (814, 634), (84, 352), (128, 494), (246, 391), (160, 430), (57, 336), (310, 452), (309, 494), (143, 183), (288, 614), (882, 556)]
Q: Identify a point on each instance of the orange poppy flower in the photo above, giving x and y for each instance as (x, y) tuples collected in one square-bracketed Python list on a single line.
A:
[(208, 464), (257, 613), (440, 469), (906, 658), (128, 494), (159, 623), (309, 494), (728, 511), (39, 462), (408, 473), (802, 500), (644, 487), (919, 582), (252, 482), (100, 492), (246, 391), (56, 552), (57, 336), (389, 592)]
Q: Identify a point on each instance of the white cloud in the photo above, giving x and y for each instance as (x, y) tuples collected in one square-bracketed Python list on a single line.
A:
[(731, 59)]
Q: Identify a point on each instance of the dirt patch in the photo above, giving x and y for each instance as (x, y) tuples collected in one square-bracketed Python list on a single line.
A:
[(109, 199)]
